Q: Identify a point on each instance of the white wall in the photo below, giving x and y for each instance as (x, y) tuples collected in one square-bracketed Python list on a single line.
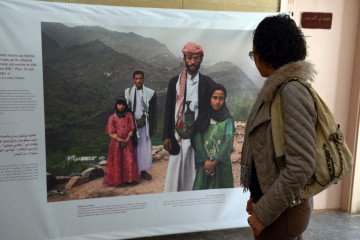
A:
[(355, 101), (333, 52), (356, 195)]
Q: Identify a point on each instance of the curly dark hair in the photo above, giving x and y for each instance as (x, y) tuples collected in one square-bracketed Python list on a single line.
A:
[(278, 41)]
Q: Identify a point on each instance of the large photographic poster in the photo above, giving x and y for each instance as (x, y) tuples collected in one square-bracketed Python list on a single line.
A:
[(61, 67)]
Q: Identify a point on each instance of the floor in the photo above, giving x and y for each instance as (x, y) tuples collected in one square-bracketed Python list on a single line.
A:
[(326, 225)]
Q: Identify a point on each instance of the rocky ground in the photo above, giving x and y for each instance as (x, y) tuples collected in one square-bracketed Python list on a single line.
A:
[(95, 188)]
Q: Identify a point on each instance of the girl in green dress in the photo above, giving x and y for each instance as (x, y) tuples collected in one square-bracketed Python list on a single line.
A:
[(213, 143)]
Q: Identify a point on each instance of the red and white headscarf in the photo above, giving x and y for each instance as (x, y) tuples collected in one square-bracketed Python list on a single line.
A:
[(190, 49)]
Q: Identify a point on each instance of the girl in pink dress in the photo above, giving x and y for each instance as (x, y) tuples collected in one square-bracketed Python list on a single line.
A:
[(121, 163)]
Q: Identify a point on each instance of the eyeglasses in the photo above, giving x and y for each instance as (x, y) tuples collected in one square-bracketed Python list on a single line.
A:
[(251, 55)]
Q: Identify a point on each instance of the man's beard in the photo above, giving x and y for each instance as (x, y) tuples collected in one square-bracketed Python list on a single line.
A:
[(197, 67)]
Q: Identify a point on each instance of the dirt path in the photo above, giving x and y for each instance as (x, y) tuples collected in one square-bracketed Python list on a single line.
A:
[(95, 188)]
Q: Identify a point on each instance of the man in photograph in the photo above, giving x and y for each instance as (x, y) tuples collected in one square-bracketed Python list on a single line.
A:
[(142, 102), (192, 88)]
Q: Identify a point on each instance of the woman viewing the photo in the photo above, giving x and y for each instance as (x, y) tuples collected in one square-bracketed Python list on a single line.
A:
[(213, 143), (279, 51), (121, 163)]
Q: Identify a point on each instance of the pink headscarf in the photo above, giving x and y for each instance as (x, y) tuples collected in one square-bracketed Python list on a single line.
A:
[(191, 49)]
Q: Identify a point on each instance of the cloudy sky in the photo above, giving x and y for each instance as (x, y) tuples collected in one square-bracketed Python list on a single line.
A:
[(218, 44)]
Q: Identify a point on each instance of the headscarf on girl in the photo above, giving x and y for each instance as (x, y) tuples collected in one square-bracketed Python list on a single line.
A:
[(121, 100), (220, 115)]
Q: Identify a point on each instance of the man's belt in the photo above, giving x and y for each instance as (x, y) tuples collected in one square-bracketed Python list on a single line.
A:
[(140, 123)]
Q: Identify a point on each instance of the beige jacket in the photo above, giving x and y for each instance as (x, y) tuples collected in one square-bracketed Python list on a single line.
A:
[(280, 190)]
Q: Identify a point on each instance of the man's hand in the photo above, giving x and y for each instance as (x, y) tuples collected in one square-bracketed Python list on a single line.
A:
[(167, 144), (153, 132), (255, 224)]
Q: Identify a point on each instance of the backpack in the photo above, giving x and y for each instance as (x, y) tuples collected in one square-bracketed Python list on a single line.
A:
[(333, 157)]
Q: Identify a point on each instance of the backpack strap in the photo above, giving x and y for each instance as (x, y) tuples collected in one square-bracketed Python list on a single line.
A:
[(277, 126)]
